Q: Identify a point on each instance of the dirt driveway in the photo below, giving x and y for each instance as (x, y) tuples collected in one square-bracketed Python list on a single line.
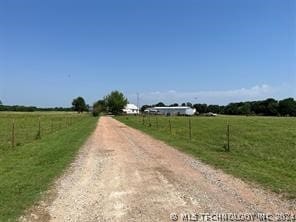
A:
[(121, 174)]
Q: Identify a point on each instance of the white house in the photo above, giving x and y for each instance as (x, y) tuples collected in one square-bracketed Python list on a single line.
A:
[(131, 109), (172, 111)]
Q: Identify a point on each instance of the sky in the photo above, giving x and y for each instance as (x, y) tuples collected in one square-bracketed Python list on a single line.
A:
[(201, 51)]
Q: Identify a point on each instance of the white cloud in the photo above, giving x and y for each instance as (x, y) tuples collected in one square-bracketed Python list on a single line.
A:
[(257, 92)]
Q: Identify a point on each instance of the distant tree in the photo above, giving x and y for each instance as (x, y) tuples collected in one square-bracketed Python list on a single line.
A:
[(189, 104), (144, 107), (99, 107), (244, 109), (222, 109), (201, 108), (115, 102), (213, 108), (1, 103), (79, 105), (174, 104), (160, 104), (232, 109), (257, 107), (272, 107), (267, 107), (183, 104), (287, 107)]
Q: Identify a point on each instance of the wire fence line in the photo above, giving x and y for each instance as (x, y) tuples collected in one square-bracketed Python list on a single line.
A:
[(225, 132), (190, 128), (20, 129)]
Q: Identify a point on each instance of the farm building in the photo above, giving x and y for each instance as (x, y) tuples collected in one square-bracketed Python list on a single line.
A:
[(131, 109), (172, 111)]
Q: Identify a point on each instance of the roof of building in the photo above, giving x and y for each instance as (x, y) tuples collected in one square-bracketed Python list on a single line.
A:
[(131, 106), (172, 107)]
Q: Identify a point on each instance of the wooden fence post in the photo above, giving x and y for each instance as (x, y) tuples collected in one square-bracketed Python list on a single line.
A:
[(156, 122), (51, 126), (228, 137), (39, 129), (190, 129), (143, 120), (170, 125), (13, 134)]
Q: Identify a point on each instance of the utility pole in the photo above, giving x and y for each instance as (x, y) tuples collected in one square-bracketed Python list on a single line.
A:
[(138, 100)]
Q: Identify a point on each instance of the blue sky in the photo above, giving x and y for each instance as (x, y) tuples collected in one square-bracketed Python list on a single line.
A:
[(213, 51)]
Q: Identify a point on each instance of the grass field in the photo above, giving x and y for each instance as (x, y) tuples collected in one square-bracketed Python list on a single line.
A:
[(262, 149), (27, 169)]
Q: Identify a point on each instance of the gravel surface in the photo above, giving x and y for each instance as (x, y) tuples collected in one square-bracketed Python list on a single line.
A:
[(122, 174)]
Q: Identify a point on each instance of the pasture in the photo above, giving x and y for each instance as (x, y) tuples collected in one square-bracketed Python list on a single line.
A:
[(262, 149), (44, 144)]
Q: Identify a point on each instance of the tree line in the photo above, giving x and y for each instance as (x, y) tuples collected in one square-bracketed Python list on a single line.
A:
[(113, 103), (16, 108), (268, 107), (116, 101)]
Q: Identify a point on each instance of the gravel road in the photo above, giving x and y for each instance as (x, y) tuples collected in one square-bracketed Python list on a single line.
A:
[(122, 174)]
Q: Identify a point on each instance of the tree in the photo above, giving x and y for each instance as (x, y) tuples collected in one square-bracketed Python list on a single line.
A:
[(232, 109), (267, 107), (160, 104), (144, 107), (287, 107), (115, 102), (245, 109), (174, 104), (79, 105), (213, 108), (1, 103), (99, 107), (272, 107), (189, 104), (201, 108)]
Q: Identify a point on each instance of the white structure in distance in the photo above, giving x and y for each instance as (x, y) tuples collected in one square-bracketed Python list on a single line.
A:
[(171, 111), (131, 109)]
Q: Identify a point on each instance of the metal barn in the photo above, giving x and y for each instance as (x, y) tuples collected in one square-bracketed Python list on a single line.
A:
[(172, 111)]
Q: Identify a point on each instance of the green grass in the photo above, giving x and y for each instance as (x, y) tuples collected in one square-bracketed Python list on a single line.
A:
[(27, 125), (28, 169), (262, 149)]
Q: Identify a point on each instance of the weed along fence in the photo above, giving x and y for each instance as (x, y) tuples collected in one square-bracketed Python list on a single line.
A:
[(19, 129), (190, 128)]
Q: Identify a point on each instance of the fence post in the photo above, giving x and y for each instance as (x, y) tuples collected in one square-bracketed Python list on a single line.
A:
[(156, 122), (149, 120), (40, 127), (13, 134), (228, 137), (190, 129), (51, 126), (143, 120), (38, 136), (170, 124)]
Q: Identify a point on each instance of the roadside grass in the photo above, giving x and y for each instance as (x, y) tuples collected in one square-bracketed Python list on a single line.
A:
[(28, 170), (262, 149)]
